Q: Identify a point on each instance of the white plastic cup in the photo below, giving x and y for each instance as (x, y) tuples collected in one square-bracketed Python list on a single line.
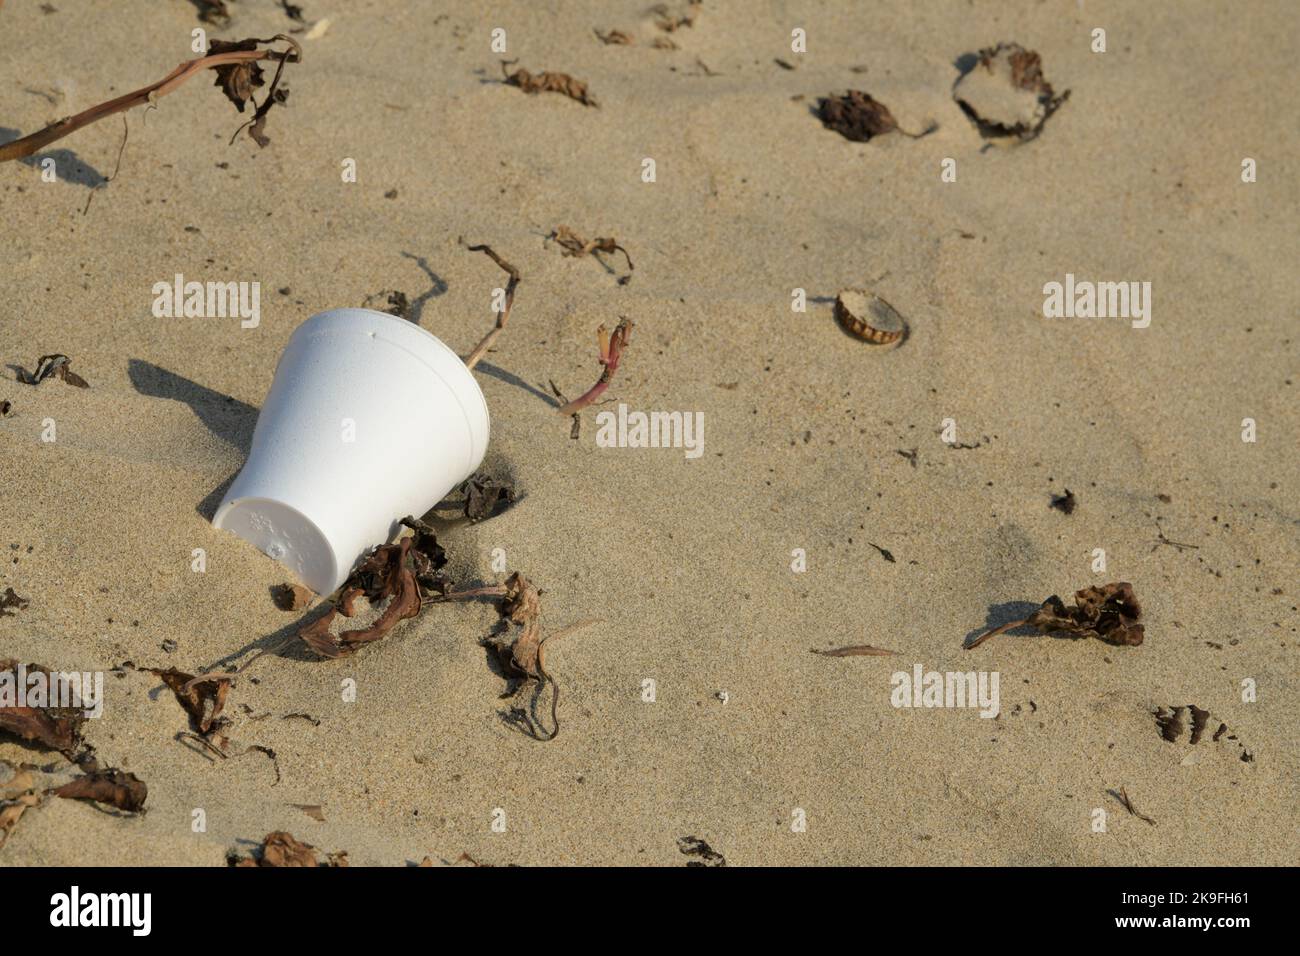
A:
[(369, 418)]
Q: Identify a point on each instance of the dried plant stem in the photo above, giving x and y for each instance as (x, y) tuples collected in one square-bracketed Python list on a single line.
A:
[(1010, 625), (504, 315), (146, 95), (611, 352)]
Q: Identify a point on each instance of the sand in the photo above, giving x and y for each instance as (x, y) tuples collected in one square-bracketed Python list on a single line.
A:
[(687, 563)]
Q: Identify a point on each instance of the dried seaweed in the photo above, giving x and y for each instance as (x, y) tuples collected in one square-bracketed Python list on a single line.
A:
[(1110, 613), (52, 366), (860, 117), (117, 788), (387, 574), (1005, 94), (55, 728), (485, 497), (389, 300), (521, 647), (574, 245), (856, 650), (548, 82), (694, 846), (202, 697), (1122, 796), (280, 849)]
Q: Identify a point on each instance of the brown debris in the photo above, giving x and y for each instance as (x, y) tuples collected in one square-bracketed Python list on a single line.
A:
[(548, 82), (486, 497), (694, 846), (389, 300), (55, 728), (11, 599), (231, 53), (614, 38), (402, 574), (1005, 94), (280, 849), (1173, 727), (671, 21), (117, 788), (504, 315), (857, 650), (52, 366), (1065, 503), (201, 697), (1110, 612), (860, 117), (574, 245), (521, 648), (313, 810), (293, 597), (17, 795), (1122, 796)]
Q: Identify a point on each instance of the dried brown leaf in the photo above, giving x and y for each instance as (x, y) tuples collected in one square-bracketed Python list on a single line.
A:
[(1110, 612), (14, 802), (856, 115), (549, 82), (117, 788), (574, 245), (280, 849), (202, 699), (237, 80), (56, 728)]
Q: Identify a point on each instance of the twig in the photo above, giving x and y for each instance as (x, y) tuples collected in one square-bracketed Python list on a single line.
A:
[(611, 352), (995, 632), (126, 133), (34, 142), (504, 315), (1122, 797)]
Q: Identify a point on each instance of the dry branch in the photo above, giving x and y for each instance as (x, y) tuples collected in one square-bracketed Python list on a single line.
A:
[(146, 95), (504, 315)]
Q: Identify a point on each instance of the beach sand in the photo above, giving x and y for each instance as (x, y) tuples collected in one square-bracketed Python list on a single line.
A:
[(686, 563)]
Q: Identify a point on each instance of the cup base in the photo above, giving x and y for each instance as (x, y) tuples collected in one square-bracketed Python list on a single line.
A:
[(285, 535)]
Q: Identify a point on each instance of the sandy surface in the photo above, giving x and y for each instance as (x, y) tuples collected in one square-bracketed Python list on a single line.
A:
[(686, 562)]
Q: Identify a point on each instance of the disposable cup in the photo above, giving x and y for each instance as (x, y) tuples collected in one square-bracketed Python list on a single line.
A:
[(369, 418)]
